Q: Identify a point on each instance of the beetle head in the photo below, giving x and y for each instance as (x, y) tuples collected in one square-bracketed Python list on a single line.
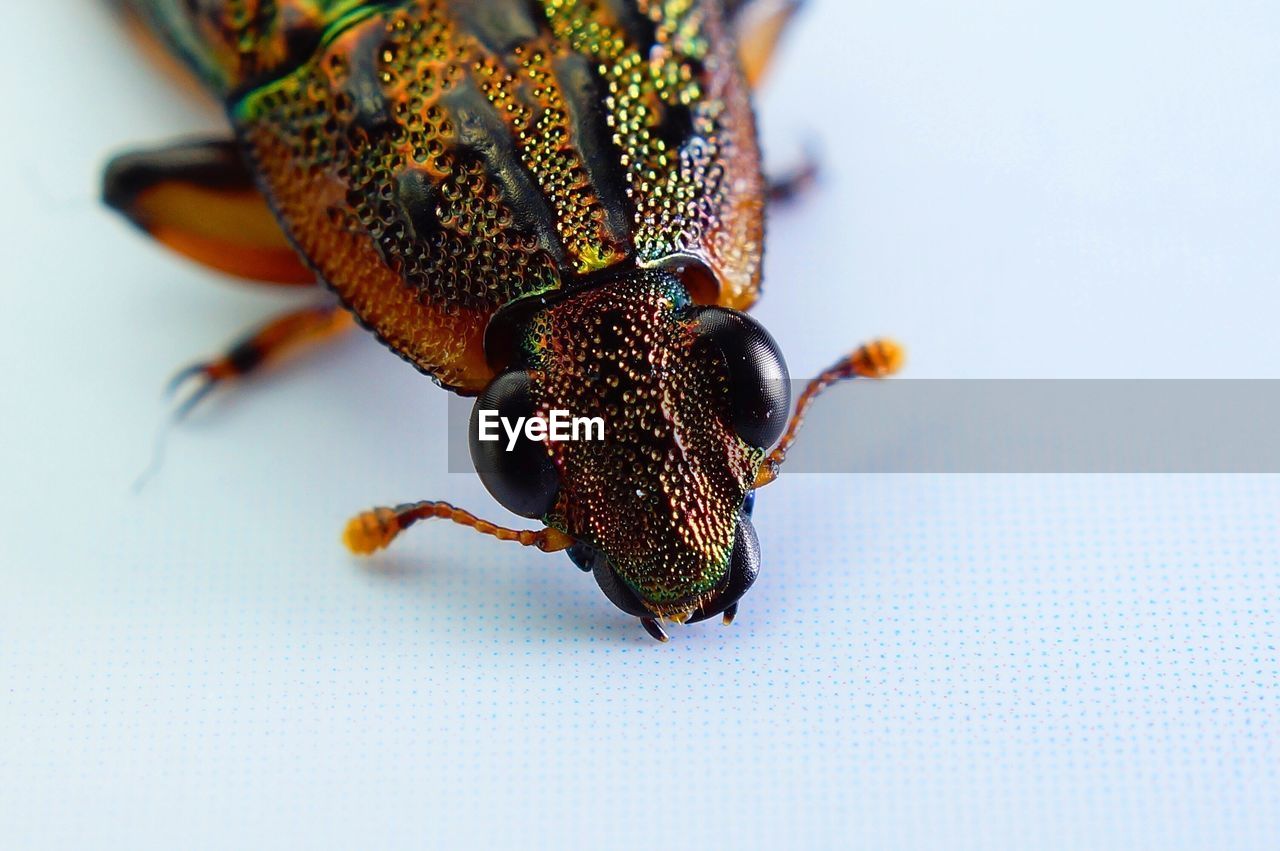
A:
[(690, 398)]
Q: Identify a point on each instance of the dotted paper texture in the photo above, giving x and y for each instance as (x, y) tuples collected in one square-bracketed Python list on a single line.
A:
[(963, 662)]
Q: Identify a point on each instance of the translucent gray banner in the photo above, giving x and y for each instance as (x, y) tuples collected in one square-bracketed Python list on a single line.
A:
[(1022, 426)]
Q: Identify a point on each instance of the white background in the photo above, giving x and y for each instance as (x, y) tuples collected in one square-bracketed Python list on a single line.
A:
[(1080, 189)]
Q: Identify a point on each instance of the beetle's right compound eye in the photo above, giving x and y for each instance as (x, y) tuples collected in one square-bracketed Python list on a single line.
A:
[(521, 477), (759, 387)]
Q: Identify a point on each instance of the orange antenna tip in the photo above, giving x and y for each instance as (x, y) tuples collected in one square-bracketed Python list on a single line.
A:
[(371, 531), (880, 359)]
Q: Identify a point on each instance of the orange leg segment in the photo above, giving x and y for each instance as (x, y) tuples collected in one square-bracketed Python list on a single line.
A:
[(199, 199), (290, 332), (759, 26), (785, 188)]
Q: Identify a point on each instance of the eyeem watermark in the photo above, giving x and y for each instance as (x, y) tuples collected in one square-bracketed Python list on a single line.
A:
[(559, 427), (939, 426)]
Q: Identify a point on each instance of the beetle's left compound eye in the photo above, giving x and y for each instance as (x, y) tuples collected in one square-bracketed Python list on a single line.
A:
[(759, 386), (521, 477)]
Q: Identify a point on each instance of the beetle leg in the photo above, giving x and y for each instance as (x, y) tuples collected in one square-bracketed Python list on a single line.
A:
[(371, 531), (268, 343), (758, 26), (199, 199), (654, 629), (788, 186), (879, 359)]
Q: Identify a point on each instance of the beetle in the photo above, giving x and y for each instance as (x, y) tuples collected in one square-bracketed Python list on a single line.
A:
[(545, 204)]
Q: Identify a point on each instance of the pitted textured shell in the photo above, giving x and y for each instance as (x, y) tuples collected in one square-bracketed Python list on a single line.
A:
[(437, 160)]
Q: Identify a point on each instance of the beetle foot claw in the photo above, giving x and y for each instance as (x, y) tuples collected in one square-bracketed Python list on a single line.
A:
[(654, 629), (729, 614), (203, 380)]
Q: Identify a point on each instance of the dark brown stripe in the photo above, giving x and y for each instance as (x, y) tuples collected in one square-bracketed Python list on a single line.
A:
[(482, 132), (676, 126), (418, 199), (584, 94), (501, 25), (212, 164), (641, 31), (363, 86)]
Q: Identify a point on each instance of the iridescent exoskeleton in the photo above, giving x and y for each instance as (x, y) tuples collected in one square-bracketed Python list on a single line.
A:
[(552, 205)]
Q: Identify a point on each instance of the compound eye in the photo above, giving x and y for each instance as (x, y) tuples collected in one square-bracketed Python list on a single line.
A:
[(523, 479), (744, 567), (759, 386)]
